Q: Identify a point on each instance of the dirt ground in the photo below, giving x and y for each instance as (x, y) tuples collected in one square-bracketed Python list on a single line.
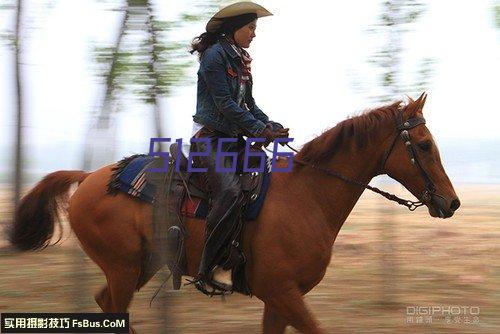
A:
[(386, 261)]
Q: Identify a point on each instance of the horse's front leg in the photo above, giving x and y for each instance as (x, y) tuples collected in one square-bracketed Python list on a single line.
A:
[(287, 306), (273, 323)]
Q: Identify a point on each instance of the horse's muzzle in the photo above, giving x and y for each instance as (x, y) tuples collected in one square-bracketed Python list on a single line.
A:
[(439, 207)]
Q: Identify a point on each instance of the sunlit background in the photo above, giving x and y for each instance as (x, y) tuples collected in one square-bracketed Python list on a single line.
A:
[(98, 79)]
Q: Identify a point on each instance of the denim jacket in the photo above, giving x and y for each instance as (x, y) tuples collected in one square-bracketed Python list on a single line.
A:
[(219, 76)]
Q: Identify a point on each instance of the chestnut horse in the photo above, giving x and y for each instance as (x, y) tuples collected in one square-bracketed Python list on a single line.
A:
[(288, 246)]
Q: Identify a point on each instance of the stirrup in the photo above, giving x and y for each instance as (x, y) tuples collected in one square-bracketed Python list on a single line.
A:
[(209, 288)]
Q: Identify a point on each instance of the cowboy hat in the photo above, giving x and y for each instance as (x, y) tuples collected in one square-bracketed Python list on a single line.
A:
[(238, 8)]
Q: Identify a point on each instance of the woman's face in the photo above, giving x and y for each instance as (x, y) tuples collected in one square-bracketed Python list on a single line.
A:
[(244, 36)]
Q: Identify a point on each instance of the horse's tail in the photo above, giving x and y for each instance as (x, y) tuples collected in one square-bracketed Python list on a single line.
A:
[(37, 212)]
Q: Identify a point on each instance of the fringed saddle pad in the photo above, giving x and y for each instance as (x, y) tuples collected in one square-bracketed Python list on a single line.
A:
[(129, 176)]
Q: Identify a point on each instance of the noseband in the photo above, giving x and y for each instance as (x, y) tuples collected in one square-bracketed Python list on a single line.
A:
[(402, 129)]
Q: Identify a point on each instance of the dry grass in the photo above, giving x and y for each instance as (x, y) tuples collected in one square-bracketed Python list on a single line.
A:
[(367, 288)]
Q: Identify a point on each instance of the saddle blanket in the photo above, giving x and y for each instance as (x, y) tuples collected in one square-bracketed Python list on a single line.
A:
[(130, 177)]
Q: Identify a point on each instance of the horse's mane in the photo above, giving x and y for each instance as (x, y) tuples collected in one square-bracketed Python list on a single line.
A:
[(360, 128)]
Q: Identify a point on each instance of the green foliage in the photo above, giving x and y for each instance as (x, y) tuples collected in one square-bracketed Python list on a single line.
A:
[(152, 59), (413, 10), (395, 20), (7, 6), (425, 73), (186, 17), (7, 36), (137, 3), (496, 10)]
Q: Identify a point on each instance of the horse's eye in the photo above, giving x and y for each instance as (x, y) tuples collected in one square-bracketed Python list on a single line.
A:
[(425, 145)]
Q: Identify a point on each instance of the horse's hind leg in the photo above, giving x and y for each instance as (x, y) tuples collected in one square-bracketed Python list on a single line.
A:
[(117, 294), (122, 283), (273, 322)]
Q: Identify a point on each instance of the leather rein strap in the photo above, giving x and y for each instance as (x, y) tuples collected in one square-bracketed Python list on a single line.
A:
[(402, 132)]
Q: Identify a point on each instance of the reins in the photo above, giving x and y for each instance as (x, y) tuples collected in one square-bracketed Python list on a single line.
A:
[(402, 129), (411, 205)]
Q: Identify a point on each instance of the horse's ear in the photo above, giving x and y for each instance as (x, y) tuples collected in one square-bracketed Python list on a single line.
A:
[(420, 102), (410, 100), (415, 106)]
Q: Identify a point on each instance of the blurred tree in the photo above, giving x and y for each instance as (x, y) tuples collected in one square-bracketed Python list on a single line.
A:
[(496, 10), (18, 162), (100, 126), (7, 36), (11, 39), (395, 20), (25, 24), (148, 69)]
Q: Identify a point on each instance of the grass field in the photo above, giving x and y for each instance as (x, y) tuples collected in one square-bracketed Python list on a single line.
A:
[(385, 260)]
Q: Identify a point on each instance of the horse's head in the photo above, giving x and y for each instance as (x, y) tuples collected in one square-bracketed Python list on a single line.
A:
[(413, 160)]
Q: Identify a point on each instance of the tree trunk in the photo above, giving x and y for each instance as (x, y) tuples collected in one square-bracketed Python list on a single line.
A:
[(103, 122), (18, 164), (153, 72)]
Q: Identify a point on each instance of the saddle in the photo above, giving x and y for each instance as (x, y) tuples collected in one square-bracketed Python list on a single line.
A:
[(187, 197), (250, 182)]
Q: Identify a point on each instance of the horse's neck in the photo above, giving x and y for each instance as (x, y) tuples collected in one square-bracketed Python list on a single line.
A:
[(336, 197)]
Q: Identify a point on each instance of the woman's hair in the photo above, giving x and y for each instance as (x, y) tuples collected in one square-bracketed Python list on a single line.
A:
[(203, 42), (228, 27)]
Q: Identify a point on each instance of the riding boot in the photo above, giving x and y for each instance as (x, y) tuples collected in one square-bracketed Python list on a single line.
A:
[(225, 192), (221, 224)]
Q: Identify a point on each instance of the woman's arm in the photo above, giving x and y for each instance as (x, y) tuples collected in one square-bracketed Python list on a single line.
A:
[(255, 110), (213, 69)]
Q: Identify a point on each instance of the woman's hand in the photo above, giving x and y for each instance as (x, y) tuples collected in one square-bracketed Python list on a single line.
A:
[(279, 130), (270, 134)]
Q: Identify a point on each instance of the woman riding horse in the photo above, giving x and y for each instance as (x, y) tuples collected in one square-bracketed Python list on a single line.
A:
[(226, 109)]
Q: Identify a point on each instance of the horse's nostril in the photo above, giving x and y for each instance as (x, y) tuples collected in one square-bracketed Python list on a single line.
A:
[(455, 204)]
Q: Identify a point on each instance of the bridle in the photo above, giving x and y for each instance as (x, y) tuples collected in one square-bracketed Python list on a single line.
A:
[(402, 129), (403, 133)]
